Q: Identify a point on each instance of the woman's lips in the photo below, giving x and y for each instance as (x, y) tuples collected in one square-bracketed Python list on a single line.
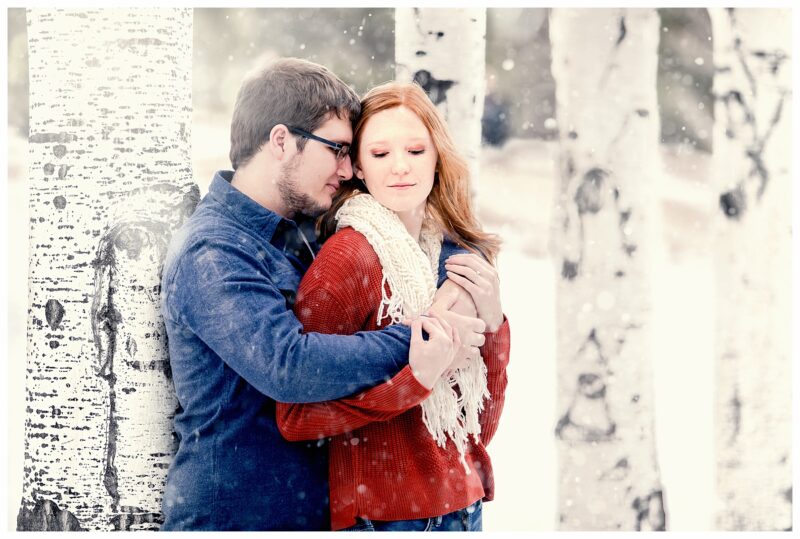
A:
[(402, 186)]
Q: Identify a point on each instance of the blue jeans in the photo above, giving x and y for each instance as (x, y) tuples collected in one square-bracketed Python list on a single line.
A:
[(469, 519)]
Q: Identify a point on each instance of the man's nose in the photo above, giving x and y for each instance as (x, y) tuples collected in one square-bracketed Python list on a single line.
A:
[(345, 168)]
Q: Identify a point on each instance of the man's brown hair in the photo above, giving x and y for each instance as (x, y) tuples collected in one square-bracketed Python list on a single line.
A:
[(290, 91)]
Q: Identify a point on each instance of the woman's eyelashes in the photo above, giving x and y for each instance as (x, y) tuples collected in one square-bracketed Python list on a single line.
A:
[(413, 151)]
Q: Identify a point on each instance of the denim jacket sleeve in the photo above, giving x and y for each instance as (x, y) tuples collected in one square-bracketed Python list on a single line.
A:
[(449, 248), (221, 294)]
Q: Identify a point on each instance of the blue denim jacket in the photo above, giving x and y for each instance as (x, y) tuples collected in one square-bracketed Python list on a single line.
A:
[(228, 285)]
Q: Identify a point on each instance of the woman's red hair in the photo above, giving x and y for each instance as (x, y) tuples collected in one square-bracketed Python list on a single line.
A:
[(449, 202)]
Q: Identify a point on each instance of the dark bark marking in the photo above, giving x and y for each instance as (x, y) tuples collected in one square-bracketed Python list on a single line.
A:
[(59, 150), (735, 406), (130, 346), (737, 47), (572, 135), (589, 195), (643, 113), (134, 43), (733, 203), (590, 395), (622, 31), (618, 473), (48, 169), (650, 514), (569, 269), (570, 167), (44, 138), (421, 53), (755, 151), (60, 202), (54, 313), (106, 318), (134, 518), (62, 171), (592, 340), (436, 89), (46, 516)]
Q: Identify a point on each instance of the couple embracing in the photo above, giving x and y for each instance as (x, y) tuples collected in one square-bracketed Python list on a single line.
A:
[(336, 338)]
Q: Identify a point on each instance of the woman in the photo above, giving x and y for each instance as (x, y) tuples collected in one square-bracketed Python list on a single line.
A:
[(409, 454)]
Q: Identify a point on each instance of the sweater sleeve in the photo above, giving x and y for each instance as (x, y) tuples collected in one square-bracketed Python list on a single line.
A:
[(221, 292), (495, 352), (339, 294)]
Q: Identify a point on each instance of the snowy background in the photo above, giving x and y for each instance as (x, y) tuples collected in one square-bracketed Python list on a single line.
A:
[(515, 197)]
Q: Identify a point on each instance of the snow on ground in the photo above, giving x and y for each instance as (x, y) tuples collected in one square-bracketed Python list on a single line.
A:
[(514, 198)]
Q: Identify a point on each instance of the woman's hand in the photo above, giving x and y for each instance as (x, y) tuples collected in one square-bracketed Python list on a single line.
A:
[(480, 280), (430, 359)]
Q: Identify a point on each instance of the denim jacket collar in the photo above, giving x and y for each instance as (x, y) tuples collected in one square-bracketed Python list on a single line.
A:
[(243, 208)]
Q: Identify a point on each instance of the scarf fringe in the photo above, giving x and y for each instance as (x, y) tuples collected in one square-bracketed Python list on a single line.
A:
[(411, 270)]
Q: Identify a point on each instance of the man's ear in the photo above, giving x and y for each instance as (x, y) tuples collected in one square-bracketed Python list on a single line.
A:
[(279, 138)]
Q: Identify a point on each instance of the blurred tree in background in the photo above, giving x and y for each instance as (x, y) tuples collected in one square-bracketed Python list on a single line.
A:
[(358, 45)]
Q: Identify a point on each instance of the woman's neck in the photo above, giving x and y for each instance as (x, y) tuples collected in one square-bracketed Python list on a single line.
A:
[(412, 220)]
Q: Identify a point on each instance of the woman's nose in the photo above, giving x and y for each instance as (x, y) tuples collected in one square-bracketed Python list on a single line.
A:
[(400, 165)]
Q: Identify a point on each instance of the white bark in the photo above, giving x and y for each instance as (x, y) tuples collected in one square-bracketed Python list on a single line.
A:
[(445, 51), (604, 64), (110, 173), (752, 157)]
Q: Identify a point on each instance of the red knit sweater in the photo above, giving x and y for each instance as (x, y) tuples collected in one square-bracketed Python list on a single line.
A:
[(384, 464)]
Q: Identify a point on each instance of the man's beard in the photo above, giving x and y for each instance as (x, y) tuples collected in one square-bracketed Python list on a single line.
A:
[(294, 200)]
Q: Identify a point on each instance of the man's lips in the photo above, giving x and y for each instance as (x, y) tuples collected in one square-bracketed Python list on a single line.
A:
[(333, 186)]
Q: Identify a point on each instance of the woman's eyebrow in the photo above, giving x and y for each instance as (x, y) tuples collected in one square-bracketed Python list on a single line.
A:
[(379, 142)]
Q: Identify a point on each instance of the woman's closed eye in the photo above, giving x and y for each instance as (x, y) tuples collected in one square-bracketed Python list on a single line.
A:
[(412, 151)]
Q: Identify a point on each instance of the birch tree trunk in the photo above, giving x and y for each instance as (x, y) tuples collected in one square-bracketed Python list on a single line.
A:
[(110, 173), (752, 157), (444, 50), (604, 64)]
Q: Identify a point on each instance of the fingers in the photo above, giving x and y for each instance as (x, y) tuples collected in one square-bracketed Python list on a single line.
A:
[(474, 262), (416, 330), (446, 327), (467, 279), (473, 339), (434, 328), (474, 352), (456, 339)]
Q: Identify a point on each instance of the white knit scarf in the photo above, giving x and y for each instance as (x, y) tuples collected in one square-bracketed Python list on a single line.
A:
[(411, 270)]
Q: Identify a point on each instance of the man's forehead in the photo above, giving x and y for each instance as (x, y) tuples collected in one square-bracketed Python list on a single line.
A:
[(336, 127)]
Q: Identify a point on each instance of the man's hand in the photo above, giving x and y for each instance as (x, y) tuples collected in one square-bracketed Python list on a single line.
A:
[(480, 280), (430, 359), (451, 297), (469, 330)]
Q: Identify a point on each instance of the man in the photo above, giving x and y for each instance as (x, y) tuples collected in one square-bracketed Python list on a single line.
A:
[(228, 287)]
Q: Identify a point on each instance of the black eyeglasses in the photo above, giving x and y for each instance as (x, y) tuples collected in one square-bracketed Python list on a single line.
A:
[(342, 150)]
